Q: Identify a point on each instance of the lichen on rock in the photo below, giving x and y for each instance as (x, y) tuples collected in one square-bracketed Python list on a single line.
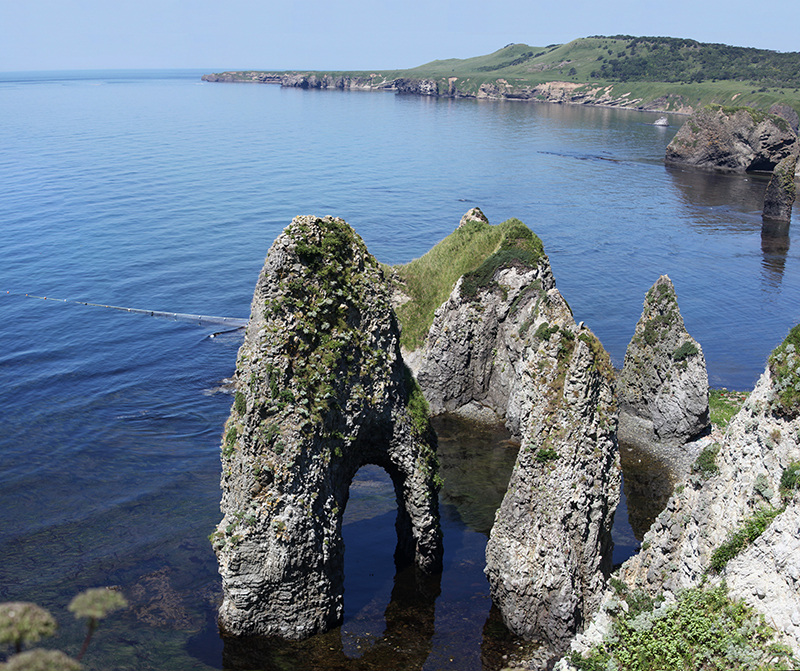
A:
[(321, 390), (663, 386)]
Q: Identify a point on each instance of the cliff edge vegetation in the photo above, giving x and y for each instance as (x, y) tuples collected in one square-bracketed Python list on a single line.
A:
[(647, 73), (475, 249)]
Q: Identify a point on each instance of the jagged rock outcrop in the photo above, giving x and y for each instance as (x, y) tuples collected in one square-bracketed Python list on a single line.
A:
[(506, 340), (732, 140), (753, 472), (421, 87), (479, 335), (321, 389), (475, 214), (550, 548), (663, 387), (781, 191), (733, 481)]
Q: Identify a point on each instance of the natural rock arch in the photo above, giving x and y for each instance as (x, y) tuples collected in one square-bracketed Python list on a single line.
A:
[(321, 390)]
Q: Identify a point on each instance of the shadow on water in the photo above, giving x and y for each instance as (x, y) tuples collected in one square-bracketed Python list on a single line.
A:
[(405, 643), (722, 202), (647, 486)]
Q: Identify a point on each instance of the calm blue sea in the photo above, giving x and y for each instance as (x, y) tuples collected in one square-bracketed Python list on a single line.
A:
[(153, 190)]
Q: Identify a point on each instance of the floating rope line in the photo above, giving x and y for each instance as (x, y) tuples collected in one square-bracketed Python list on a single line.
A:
[(201, 320)]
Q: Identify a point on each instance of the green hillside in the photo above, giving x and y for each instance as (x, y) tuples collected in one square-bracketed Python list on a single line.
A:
[(652, 72)]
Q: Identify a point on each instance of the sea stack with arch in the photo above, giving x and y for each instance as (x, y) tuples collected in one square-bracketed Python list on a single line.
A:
[(321, 390)]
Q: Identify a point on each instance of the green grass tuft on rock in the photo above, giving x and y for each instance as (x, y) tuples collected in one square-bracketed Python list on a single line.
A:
[(469, 250), (784, 364)]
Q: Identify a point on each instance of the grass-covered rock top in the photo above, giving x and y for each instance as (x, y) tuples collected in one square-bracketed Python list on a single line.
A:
[(670, 74), (724, 404), (475, 250)]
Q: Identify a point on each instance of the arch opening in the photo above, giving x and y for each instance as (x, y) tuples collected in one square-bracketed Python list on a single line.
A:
[(370, 559)]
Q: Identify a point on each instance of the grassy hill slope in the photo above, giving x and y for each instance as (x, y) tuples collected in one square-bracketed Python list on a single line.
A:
[(644, 72)]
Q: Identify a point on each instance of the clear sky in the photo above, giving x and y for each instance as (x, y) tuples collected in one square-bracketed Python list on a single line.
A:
[(353, 35)]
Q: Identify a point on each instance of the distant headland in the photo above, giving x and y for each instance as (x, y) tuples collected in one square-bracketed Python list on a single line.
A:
[(658, 74)]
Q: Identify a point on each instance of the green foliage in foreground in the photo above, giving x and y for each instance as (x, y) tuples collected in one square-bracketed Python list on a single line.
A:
[(22, 622), (724, 404), (784, 364), (750, 529), (706, 462), (703, 631), (790, 479), (429, 279)]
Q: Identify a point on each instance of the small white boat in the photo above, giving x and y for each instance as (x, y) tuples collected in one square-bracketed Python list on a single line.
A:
[(661, 121)]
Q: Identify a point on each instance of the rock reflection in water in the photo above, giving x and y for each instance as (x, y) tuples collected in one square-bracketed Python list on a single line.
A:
[(405, 644), (774, 247), (476, 461), (647, 484), (391, 620)]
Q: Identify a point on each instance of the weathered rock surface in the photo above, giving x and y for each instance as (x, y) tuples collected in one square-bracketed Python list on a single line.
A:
[(550, 548), (478, 337), (321, 391), (781, 191), (506, 340), (663, 386), (759, 445), (788, 113), (732, 140), (741, 476)]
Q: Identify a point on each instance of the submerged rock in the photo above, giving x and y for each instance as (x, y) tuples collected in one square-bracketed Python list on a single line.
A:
[(732, 140), (506, 341), (663, 386), (781, 191), (321, 390)]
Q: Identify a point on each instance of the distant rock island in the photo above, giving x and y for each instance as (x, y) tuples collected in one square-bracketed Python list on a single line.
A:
[(661, 74)]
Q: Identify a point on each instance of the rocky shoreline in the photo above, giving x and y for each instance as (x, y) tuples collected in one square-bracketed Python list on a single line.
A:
[(561, 92)]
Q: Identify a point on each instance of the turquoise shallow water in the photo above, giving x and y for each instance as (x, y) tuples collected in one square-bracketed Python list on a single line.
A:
[(154, 190)]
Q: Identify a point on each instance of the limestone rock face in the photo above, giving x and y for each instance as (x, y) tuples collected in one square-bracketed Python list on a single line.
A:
[(663, 386), (781, 191), (759, 445), (476, 344), (732, 141), (421, 87), (550, 548), (506, 341), (321, 389)]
